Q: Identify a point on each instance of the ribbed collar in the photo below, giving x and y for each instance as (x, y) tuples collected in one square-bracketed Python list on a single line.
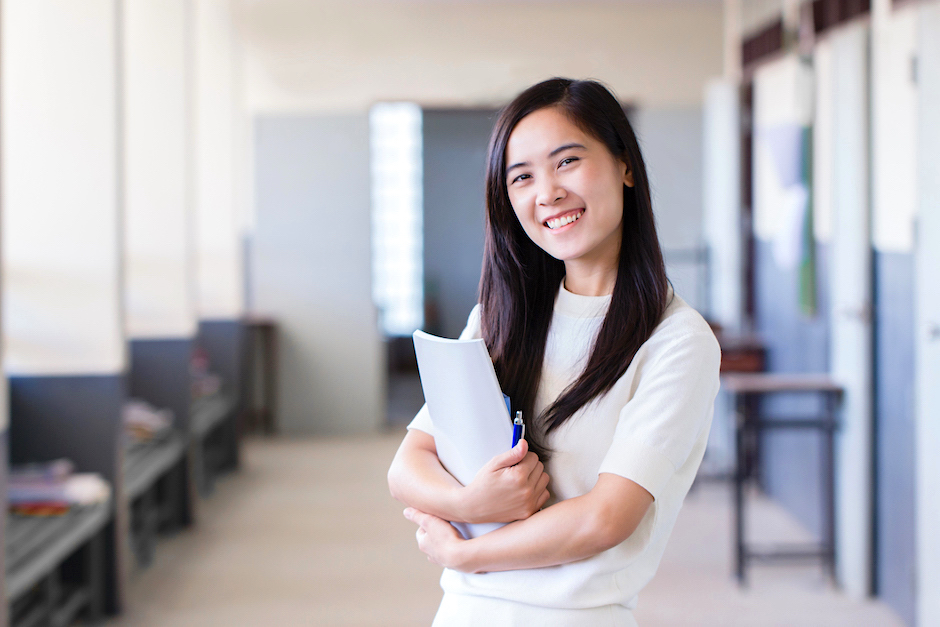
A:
[(578, 306)]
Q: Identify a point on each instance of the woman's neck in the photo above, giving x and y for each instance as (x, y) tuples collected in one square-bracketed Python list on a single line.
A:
[(589, 281)]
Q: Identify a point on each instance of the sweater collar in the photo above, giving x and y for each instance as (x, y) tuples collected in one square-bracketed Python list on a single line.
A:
[(578, 306)]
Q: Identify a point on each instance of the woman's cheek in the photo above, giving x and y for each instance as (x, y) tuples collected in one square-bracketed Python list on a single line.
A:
[(526, 214)]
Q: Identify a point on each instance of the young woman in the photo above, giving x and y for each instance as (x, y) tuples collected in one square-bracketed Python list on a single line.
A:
[(617, 375)]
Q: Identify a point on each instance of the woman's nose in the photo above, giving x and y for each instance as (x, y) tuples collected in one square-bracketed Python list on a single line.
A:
[(550, 191)]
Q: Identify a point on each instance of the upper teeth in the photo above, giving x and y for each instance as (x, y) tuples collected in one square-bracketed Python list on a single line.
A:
[(562, 221)]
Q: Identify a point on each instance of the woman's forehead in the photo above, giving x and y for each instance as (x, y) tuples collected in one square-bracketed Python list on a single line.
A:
[(542, 131)]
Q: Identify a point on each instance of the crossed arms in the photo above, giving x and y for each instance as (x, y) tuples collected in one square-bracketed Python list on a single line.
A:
[(511, 488)]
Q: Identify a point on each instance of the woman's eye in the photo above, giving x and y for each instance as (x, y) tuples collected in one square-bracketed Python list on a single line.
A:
[(521, 177), (567, 160)]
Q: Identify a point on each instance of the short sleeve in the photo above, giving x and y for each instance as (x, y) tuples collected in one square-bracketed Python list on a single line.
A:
[(422, 420), (473, 330), (673, 403)]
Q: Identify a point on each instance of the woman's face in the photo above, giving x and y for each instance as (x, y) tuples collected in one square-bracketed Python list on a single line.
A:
[(566, 189)]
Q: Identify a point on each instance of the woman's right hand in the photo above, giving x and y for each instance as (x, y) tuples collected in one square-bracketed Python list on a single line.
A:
[(511, 486)]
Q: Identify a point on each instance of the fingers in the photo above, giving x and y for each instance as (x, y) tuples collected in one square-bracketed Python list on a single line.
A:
[(537, 469), (511, 457), (543, 483), (418, 517), (525, 466), (542, 499)]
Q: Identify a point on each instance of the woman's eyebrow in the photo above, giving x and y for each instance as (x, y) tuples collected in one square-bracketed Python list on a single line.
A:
[(551, 154), (564, 148), (516, 165)]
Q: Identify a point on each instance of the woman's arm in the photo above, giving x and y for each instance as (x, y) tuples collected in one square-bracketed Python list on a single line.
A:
[(510, 487), (568, 531)]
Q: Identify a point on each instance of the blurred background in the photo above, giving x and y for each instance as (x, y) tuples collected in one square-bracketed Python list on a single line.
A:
[(223, 219)]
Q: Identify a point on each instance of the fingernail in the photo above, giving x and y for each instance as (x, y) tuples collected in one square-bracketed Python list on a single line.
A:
[(408, 511)]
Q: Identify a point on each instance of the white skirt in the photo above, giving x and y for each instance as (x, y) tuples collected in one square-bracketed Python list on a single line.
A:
[(460, 610)]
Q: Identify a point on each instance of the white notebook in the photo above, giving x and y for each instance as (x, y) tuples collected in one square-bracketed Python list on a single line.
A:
[(467, 407)]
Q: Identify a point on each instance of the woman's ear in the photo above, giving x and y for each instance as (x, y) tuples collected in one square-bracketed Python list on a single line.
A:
[(628, 178), (627, 172)]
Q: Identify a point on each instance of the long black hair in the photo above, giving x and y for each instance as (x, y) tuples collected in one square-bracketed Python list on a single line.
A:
[(519, 281)]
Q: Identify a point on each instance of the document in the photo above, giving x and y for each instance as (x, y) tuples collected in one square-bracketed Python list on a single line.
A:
[(467, 407)]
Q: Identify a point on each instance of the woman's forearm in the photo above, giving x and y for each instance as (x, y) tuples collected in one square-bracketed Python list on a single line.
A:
[(568, 531), (511, 486), (555, 535), (417, 479)]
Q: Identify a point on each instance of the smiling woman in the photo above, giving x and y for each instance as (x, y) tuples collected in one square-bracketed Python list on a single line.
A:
[(618, 373)]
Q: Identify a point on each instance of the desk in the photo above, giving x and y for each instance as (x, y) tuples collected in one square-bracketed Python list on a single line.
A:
[(741, 353), (38, 590), (745, 390), (213, 437), (154, 483)]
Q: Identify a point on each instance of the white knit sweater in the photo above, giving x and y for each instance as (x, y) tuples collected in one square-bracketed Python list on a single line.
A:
[(651, 427)]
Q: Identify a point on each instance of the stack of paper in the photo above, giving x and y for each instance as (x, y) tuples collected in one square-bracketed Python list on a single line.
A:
[(143, 421)]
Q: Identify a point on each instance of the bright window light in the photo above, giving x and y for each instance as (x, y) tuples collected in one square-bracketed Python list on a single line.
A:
[(397, 268)]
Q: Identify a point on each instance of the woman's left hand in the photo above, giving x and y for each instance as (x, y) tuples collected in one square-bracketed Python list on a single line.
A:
[(437, 538)]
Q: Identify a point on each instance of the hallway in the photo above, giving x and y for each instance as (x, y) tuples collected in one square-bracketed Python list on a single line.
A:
[(306, 534)]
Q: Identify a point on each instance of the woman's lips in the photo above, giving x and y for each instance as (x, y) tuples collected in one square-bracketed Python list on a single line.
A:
[(563, 219)]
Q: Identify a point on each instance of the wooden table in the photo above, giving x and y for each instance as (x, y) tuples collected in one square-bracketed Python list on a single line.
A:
[(746, 390), (741, 353)]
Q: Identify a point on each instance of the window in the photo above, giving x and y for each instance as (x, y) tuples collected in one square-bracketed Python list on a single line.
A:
[(397, 268)]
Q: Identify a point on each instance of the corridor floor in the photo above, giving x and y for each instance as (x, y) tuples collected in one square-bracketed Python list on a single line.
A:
[(306, 534)]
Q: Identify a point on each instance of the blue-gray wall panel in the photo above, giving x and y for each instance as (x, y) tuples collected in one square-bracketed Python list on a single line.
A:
[(159, 374), (454, 148), (78, 417), (4, 466), (894, 386), (791, 465)]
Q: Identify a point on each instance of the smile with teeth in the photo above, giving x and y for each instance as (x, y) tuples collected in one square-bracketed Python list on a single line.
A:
[(555, 223)]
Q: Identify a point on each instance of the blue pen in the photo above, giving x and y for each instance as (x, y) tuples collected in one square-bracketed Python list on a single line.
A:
[(518, 428)]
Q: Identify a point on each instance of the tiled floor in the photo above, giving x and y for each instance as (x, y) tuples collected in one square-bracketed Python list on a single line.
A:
[(306, 534)]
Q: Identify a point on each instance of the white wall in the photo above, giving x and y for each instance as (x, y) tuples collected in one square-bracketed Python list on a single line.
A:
[(156, 68), (783, 96), (217, 133), (894, 130), (851, 303), (329, 56), (61, 240), (927, 316), (721, 197)]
